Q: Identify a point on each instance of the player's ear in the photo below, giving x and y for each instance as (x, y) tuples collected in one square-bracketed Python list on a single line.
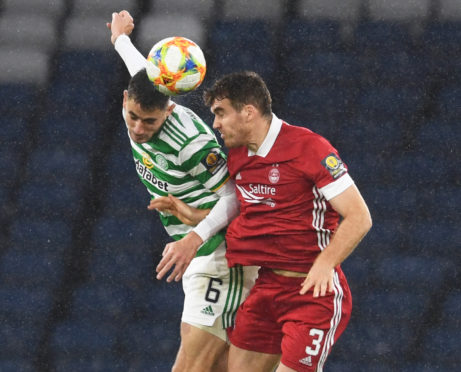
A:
[(170, 108), (125, 97), (249, 112)]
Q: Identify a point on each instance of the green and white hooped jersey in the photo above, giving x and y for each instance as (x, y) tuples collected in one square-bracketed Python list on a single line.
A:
[(183, 159)]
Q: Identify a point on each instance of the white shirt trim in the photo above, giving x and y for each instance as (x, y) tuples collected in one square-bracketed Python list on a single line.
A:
[(266, 146), (337, 187)]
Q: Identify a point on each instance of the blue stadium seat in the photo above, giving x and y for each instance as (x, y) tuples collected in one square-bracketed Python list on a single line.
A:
[(19, 340), (81, 339), (87, 94), (160, 302), (449, 103), (139, 340), (253, 54), (451, 310), (69, 133), (110, 233), (314, 35), (373, 36), (57, 201), (442, 37), (358, 267), (333, 70), (13, 129), (440, 205), (29, 233), (419, 274), (417, 170), (242, 10), (15, 365), (368, 343), (92, 363), (389, 103), (103, 303), (59, 165), (123, 265), (9, 169), (371, 137), (346, 11), (318, 104), (443, 344), (388, 236), (407, 307), (127, 197), (393, 202), (15, 97), (31, 269), (435, 236), (393, 68), (25, 304), (398, 11)]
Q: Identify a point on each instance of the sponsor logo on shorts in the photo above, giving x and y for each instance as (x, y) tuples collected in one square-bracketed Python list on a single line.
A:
[(207, 310), (307, 361)]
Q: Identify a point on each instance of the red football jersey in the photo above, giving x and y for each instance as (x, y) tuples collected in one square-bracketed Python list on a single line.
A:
[(285, 218)]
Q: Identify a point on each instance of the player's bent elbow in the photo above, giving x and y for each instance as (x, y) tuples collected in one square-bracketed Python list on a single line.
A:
[(366, 222)]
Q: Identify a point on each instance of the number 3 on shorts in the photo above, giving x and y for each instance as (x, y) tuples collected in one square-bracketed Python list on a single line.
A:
[(212, 294), (317, 335)]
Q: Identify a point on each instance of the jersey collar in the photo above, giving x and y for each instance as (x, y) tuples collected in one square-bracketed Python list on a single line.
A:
[(266, 146)]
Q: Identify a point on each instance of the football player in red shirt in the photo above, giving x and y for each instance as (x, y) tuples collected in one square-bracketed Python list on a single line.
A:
[(293, 188)]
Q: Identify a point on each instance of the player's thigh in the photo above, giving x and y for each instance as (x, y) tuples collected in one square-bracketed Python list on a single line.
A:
[(200, 351), (241, 360), (312, 326)]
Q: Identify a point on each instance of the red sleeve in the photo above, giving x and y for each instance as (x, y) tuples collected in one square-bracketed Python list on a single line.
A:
[(323, 164)]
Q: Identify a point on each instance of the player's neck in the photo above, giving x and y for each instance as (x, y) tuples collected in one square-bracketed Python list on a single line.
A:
[(258, 134)]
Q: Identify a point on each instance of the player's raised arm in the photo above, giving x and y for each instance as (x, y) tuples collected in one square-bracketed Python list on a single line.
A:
[(121, 27)]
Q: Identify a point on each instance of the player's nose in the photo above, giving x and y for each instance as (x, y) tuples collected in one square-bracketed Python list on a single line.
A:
[(138, 127)]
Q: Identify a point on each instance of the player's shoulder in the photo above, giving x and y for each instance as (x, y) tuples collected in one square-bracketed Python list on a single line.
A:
[(302, 136), (185, 123)]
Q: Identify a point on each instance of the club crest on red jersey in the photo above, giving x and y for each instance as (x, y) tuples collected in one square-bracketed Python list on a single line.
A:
[(274, 174)]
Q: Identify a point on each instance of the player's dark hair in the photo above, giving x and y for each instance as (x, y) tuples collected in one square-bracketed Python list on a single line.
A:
[(142, 91), (241, 88)]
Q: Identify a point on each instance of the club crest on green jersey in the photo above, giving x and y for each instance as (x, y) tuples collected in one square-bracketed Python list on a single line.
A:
[(161, 161)]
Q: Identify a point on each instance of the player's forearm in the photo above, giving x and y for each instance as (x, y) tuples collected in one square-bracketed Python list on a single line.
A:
[(223, 212), (133, 59), (348, 235)]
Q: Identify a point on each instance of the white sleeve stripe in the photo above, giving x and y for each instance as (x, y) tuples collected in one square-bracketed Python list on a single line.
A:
[(337, 187)]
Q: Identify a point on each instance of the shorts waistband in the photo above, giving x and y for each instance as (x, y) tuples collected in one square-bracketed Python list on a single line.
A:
[(291, 274)]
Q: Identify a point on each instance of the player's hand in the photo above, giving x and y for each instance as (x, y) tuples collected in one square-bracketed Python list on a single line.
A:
[(185, 213), (122, 23), (178, 255), (319, 278)]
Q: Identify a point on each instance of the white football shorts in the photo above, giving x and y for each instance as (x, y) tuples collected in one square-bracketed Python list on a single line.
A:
[(213, 292)]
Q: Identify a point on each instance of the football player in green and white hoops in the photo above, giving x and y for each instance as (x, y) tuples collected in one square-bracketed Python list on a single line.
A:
[(177, 154)]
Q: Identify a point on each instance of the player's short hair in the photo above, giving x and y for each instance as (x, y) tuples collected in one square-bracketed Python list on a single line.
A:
[(241, 88), (142, 91)]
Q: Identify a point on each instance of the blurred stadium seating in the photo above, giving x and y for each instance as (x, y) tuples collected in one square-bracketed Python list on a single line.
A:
[(381, 79)]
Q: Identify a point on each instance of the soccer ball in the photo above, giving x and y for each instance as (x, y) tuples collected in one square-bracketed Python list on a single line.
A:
[(176, 65)]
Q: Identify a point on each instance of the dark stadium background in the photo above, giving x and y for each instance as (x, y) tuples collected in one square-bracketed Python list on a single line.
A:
[(380, 78)]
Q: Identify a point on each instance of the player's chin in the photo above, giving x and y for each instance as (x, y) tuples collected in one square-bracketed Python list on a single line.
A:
[(229, 143)]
